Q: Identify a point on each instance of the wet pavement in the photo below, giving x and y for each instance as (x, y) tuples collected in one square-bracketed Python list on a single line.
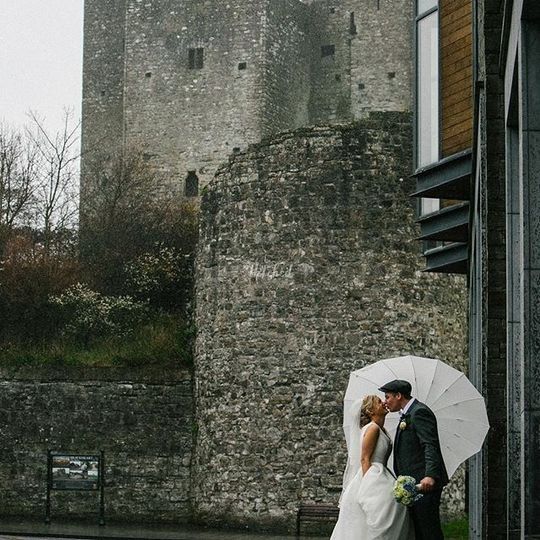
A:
[(38, 530)]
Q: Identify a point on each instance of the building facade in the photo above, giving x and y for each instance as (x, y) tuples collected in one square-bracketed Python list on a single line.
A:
[(497, 174), (192, 82)]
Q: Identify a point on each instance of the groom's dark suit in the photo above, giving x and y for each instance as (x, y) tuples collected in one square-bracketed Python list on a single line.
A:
[(417, 453)]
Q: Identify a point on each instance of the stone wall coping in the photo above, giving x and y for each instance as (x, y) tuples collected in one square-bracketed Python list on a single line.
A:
[(150, 375), (374, 121)]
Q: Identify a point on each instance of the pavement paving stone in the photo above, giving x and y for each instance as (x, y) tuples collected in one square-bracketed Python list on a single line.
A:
[(38, 530)]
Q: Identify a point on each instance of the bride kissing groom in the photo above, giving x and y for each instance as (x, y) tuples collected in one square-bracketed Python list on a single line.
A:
[(367, 506)]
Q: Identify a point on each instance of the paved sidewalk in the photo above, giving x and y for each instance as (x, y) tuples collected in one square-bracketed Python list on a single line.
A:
[(17, 529)]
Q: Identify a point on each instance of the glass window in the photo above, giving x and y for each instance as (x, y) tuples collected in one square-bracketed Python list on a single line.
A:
[(425, 5), (427, 206), (427, 69)]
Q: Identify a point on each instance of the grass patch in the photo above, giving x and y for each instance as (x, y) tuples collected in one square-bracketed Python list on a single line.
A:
[(164, 341), (456, 530)]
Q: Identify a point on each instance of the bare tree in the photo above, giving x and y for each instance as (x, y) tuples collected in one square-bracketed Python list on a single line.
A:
[(127, 209), (18, 179), (56, 187)]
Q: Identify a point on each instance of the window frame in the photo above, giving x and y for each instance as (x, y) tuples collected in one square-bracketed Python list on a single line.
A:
[(417, 18)]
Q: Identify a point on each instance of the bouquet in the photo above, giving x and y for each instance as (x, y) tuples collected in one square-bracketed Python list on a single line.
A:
[(406, 490)]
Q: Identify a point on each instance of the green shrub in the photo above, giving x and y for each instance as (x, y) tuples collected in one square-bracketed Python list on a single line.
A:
[(164, 341), (456, 530), (87, 314), (163, 278)]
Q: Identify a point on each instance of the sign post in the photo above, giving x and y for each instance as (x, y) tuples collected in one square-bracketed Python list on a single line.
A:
[(75, 472)]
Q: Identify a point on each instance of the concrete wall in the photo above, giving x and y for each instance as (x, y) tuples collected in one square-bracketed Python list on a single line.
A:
[(143, 422), (307, 270)]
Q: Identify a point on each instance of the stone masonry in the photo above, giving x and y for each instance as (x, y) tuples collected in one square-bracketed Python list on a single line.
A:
[(191, 82), (143, 421), (307, 270)]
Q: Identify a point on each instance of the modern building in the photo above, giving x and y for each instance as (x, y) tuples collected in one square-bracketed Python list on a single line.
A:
[(493, 233)]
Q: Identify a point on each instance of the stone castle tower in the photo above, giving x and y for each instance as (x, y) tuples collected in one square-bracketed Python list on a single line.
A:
[(196, 80), (306, 266)]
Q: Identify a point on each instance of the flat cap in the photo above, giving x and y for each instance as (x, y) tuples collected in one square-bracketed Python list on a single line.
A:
[(397, 385)]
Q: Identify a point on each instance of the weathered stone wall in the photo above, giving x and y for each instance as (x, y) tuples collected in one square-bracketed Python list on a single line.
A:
[(142, 421), (371, 67), (330, 97), (381, 55), (286, 77), (263, 73), (307, 270), (103, 82), (190, 119)]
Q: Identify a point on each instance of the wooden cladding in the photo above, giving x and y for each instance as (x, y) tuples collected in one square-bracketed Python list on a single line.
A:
[(456, 75)]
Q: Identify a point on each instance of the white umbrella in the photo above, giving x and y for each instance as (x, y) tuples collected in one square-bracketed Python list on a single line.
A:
[(460, 409)]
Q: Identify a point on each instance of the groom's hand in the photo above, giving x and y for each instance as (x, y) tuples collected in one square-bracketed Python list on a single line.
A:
[(428, 484)]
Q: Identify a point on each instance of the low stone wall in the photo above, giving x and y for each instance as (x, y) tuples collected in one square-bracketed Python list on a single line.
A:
[(143, 422)]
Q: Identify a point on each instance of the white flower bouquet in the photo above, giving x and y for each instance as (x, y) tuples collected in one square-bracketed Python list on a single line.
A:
[(406, 490)]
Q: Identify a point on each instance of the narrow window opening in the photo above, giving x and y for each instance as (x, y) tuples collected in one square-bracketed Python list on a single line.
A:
[(327, 50), (196, 58), (361, 86), (378, 5), (192, 185), (352, 25), (242, 66), (391, 74), (236, 150), (148, 74)]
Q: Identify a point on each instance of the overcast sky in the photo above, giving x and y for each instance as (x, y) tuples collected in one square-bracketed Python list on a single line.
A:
[(40, 59)]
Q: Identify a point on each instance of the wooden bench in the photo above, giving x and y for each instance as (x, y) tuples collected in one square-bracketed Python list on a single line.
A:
[(315, 512)]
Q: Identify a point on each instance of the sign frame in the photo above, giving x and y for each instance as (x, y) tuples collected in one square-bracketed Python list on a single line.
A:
[(75, 472)]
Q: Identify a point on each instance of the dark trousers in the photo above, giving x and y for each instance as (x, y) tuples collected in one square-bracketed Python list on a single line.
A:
[(426, 518)]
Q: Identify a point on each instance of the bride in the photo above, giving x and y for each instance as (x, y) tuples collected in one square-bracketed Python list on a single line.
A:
[(368, 510)]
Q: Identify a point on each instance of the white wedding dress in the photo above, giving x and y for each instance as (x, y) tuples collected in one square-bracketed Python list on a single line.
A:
[(368, 510)]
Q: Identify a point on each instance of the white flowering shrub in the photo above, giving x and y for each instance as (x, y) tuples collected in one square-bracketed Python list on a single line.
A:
[(87, 314), (162, 278)]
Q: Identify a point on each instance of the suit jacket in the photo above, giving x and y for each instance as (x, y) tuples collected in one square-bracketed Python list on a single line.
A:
[(417, 450)]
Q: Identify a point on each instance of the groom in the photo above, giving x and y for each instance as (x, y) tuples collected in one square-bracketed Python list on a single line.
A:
[(417, 453)]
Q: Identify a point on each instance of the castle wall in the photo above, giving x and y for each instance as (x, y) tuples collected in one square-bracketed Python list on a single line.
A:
[(191, 119), (143, 421), (286, 78), (381, 51), (371, 67), (103, 81), (266, 68), (330, 99), (307, 270)]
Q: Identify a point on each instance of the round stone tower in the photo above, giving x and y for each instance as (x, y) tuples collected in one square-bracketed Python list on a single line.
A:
[(308, 269)]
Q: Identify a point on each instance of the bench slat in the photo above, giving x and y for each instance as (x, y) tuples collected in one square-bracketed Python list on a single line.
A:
[(315, 512)]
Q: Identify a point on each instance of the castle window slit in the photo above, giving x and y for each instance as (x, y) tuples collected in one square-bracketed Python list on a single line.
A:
[(191, 188)]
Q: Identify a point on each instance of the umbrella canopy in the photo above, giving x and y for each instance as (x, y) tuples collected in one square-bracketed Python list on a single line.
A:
[(458, 406)]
